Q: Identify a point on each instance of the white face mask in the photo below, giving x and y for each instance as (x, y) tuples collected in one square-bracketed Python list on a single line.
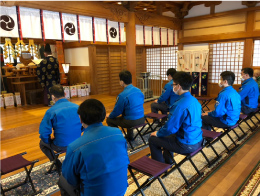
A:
[(219, 83), (242, 78), (176, 92)]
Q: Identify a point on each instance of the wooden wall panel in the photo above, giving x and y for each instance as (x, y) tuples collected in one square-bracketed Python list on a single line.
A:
[(215, 30), (115, 69), (79, 74), (102, 70), (213, 22), (257, 16), (110, 61), (257, 25)]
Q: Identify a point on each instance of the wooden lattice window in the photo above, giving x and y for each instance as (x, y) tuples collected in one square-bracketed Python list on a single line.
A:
[(159, 60), (226, 56), (256, 56)]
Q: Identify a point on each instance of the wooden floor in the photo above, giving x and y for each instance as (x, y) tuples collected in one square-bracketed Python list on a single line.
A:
[(19, 132)]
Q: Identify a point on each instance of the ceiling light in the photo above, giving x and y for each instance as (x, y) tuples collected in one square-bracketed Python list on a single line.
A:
[(119, 3), (145, 8)]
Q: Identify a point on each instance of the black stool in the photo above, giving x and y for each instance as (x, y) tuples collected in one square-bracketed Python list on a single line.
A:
[(54, 162), (156, 118), (139, 132)]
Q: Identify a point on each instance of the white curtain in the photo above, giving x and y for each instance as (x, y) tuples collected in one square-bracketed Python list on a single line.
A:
[(9, 24), (122, 32), (164, 36), (156, 36), (113, 31), (52, 27), (100, 30), (86, 30), (148, 35), (30, 22), (139, 33), (70, 26), (170, 37)]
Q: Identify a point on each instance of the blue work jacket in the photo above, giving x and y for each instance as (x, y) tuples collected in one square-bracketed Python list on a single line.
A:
[(184, 120), (129, 103), (62, 117), (249, 93), (228, 106), (98, 161), (168, 96)]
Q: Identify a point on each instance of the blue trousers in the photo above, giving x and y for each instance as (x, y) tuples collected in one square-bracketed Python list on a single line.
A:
[(162, 148)]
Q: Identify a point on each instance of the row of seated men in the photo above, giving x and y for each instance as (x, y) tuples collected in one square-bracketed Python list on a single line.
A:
[(96, 162)]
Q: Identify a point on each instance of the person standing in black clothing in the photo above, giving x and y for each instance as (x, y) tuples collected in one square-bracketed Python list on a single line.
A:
[(48, 73)]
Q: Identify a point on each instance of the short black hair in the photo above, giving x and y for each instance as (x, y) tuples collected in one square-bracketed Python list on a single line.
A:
[(229, 76), (92, 111), (171, 72), (57, 90), (184, 79), (126, 77), (249, 71)]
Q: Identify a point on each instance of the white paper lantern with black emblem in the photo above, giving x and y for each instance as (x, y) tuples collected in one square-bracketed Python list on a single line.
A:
[(113, 31), (8, 20), (70, 26)]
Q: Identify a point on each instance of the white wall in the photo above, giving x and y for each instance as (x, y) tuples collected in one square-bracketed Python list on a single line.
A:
[(201, 10), (198, 10), (203, 46), (77, 56)]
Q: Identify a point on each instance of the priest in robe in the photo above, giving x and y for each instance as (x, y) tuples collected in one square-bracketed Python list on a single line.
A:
[(48, 73)]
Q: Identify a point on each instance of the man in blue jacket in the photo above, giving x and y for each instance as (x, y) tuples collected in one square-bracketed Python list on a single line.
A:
[(182, 132), (96, 163), (168, 97), (129, 104), (249, 91), (62, 117), (227, 107)]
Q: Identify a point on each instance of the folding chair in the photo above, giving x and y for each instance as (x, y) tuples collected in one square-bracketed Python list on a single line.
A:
[(14, 163), (226, 132), (152, 168), (142, 126), (54, 162), (156, 118), (209, 137), (178, 165), (205, 101), (245, 118)]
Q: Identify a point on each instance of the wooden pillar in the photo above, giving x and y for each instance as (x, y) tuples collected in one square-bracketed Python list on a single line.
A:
[(92, 63), (248, 53), (131, 46), (249, 43)]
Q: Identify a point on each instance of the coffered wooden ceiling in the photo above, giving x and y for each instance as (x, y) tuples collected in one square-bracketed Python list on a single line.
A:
[(179, 8)]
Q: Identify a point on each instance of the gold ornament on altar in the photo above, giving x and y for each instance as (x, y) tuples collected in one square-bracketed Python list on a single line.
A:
[(19, 46), (32, 48)]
